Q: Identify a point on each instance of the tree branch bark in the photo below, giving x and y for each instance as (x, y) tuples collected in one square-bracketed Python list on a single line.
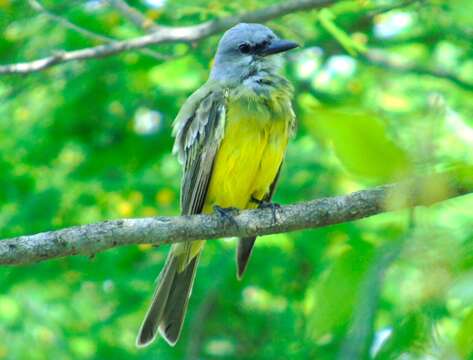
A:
[(90, 239), (165, 34)]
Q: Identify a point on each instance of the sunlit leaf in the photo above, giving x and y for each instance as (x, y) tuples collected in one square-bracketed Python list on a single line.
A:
[(353, 47), (408, 335), (361, 142), (464, 337), (331, 301)]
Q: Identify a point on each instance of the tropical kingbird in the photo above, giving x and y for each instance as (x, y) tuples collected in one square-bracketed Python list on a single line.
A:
[(231, 137)]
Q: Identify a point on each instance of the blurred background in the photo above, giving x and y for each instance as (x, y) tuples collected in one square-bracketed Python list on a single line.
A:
[(383, 91)]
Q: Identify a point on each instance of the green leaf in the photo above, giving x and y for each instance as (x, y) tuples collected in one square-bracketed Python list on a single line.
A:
[(464, 337), (408, 335), (184, 74), (326, 18), (330, 302), (361, 142)]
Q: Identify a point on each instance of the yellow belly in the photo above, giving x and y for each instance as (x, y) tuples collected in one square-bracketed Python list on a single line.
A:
[(248, 160)]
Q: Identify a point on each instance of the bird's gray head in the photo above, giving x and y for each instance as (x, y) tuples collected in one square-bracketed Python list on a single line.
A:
[(245, 51)]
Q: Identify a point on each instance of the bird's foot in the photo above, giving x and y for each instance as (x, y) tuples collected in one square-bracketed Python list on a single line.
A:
[(227, 214), (263, 204)]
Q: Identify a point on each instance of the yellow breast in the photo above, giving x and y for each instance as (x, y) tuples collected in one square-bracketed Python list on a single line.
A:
[(251, 152)]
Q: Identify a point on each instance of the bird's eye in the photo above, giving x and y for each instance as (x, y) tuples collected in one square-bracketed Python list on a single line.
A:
[(244, 48)]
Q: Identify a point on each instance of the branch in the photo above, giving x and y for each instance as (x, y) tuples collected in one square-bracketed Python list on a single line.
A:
[(90, 239), (66, 23), (134, 16), (377, 58), (87, 33), (165, 34)]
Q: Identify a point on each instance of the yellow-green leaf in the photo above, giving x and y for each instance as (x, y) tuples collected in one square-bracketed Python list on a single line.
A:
[(464, 337), (361, 142)]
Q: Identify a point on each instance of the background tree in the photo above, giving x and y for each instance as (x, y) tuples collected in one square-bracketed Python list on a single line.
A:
[(383, 92)]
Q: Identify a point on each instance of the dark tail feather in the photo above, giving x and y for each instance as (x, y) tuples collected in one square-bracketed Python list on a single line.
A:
[(150, 324), (245, 246), (169, 305), (176, 307)]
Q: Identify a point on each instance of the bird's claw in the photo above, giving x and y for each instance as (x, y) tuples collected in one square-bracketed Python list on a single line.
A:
[(263, 204), (227, 214)]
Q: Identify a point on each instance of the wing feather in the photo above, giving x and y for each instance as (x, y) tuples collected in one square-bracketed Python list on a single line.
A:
[(199, 131)]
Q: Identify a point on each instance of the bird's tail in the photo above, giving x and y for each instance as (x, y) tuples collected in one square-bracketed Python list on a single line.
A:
[(170, 299), (245, 246)]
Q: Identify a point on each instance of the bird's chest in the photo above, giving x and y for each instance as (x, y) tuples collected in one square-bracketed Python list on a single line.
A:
[(250, 154), (253, 125)]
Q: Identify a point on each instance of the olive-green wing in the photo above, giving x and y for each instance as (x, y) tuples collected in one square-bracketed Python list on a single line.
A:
[(199, 129)]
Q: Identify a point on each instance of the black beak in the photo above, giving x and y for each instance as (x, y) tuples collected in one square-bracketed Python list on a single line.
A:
[(278, 46)]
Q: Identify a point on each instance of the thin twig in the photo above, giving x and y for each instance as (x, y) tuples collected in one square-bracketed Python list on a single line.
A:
[(87, 33), (134, 16), (67, 24), (379, 59)]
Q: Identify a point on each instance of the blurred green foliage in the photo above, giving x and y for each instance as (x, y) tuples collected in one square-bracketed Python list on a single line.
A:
[(90, 141)]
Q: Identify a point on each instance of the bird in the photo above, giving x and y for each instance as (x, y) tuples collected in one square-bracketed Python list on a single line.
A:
[(231, 137)]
